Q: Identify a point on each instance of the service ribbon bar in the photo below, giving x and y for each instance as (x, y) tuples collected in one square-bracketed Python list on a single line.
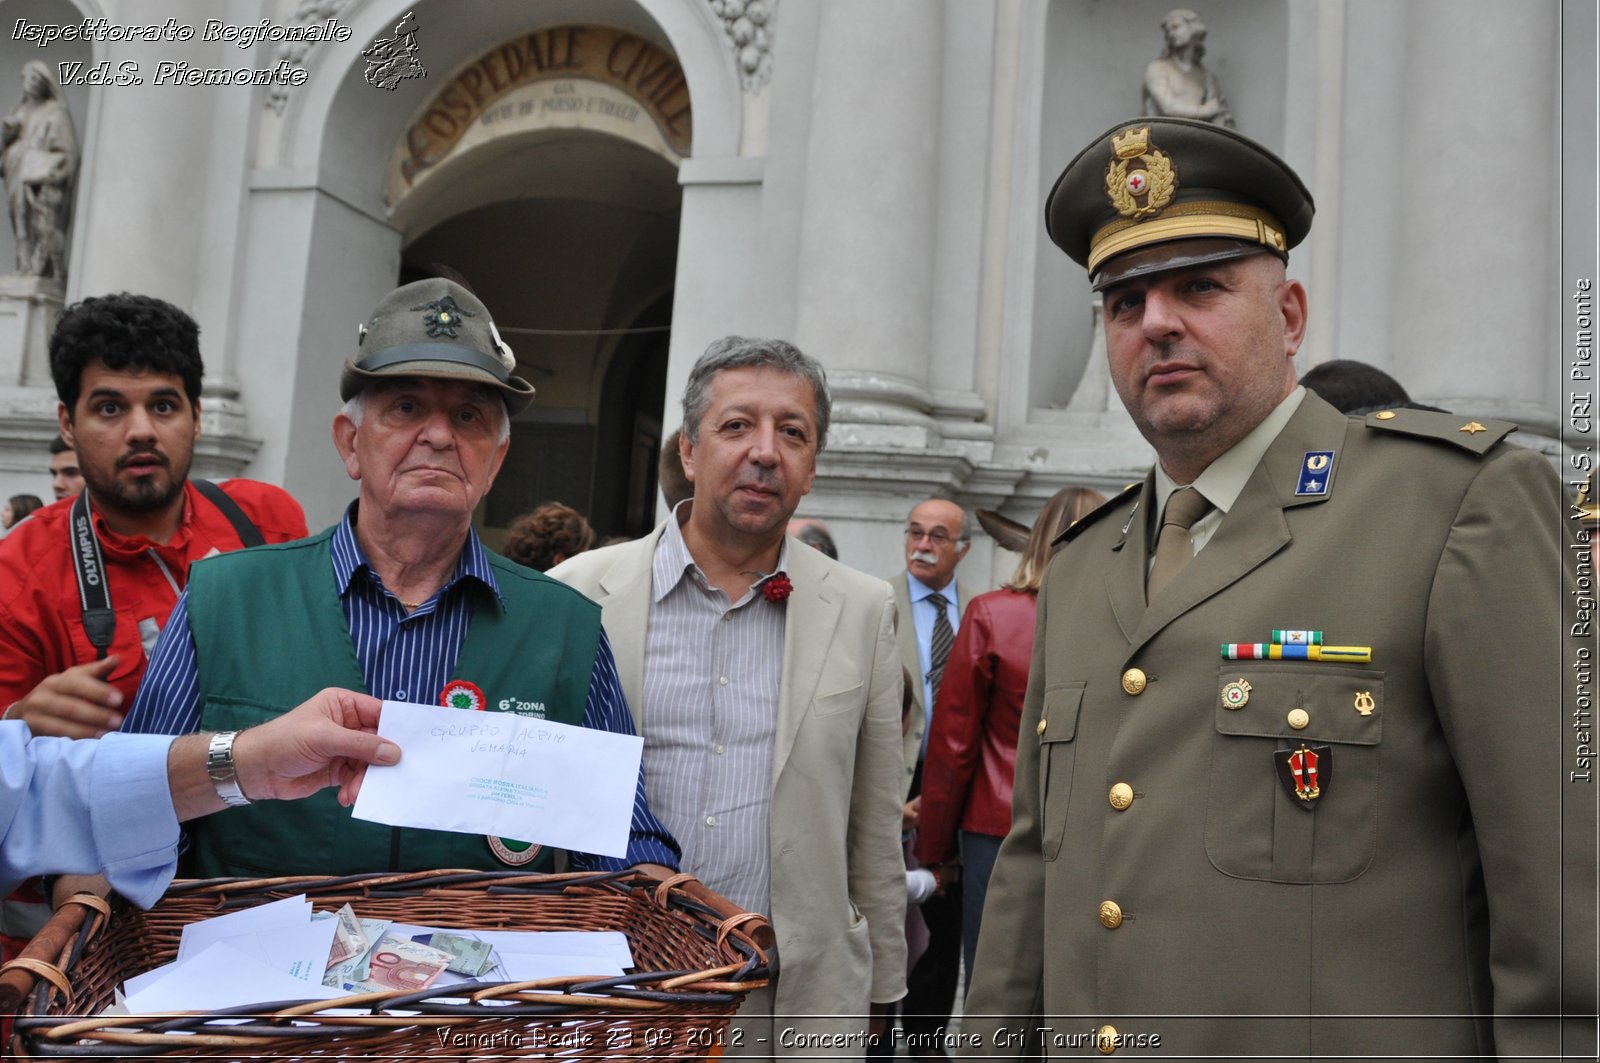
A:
[(1297, 637), (1275, 651), (1348, 654)]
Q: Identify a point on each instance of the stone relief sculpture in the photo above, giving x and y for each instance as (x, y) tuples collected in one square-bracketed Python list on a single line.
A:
[(1178, 85), (40, 163), (298, 53), (749, 24)]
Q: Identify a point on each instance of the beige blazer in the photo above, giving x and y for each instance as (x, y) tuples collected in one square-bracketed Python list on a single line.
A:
[(838, 880), (1163, 878), (906, 639)]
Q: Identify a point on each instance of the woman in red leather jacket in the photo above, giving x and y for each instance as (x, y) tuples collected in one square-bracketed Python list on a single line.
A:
[(972, 746)]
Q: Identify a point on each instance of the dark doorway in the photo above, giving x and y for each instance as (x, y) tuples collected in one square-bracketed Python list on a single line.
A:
[(629, 439)]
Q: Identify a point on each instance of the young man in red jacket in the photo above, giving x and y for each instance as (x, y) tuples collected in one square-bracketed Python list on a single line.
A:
[(87, 583)]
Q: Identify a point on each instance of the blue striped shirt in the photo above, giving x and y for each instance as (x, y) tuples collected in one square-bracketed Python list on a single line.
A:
[(404, 657)]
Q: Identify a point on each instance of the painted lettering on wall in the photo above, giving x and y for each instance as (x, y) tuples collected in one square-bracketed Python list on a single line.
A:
[(644, 71)]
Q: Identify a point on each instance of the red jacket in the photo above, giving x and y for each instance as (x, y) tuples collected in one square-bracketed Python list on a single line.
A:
[(972, 747), (41, 616)]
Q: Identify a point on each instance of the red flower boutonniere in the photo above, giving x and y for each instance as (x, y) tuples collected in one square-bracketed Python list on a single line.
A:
[(777, 588)]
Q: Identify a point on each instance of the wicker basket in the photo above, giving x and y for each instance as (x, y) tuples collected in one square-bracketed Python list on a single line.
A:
[(697, 955)]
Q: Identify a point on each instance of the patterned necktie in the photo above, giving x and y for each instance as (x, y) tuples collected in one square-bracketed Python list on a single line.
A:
[(943, 637), (1173, 549)]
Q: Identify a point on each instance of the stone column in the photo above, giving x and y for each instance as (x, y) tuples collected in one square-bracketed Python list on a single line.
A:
[(1475, 177), (868, 237)]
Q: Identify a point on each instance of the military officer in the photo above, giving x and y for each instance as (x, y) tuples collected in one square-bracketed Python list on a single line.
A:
[(1294, 758)]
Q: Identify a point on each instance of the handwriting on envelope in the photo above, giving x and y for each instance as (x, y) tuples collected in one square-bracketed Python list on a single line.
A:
[(505, 775)]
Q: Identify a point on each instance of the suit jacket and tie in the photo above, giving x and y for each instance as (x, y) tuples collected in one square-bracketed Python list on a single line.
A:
[(931, 983), (906, 639), (1438, 898), (838, 880)]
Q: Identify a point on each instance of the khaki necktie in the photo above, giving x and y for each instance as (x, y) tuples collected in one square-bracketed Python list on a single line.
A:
[(1173, 549)]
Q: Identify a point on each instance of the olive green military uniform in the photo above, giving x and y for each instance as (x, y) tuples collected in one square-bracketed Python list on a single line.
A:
[(1416, 907)]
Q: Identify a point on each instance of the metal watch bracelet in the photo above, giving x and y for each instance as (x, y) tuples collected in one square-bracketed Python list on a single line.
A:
[(224, 774)]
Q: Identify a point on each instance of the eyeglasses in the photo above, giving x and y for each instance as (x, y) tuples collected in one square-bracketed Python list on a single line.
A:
[(938, 536)]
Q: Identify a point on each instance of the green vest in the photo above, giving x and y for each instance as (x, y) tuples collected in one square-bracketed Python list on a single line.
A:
[(269, 632)]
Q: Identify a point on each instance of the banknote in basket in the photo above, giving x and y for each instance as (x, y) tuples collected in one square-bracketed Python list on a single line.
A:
[(354, 968), (468, 956), (404, 965), (349, 939)]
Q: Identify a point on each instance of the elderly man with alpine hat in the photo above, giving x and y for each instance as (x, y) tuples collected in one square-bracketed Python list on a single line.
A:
[(399, 599), (1342, 835)]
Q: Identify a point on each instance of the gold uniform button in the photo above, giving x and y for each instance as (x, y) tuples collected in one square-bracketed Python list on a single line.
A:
[(1121, 796), (1110, 914), (1133, 681), (1386, 415), (1042, 725), (1105, 1039), (1299, 719)]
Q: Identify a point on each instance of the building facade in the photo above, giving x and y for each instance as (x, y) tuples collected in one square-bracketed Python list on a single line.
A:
[(623, 181)]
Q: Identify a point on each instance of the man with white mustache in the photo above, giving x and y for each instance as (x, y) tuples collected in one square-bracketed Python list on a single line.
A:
[(938, 535)]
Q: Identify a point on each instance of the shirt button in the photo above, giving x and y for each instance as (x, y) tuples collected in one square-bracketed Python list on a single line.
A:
[(711, 821), (718, 749), (399, 695), (723, 680)]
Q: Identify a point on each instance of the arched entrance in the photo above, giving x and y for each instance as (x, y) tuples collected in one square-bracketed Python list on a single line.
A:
[(545, 174)]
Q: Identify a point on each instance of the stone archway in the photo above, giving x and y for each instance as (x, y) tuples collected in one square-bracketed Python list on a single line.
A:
[(317, 197), (545, 172)]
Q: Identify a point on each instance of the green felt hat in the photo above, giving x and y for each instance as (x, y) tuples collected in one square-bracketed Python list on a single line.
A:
[(435, 328)]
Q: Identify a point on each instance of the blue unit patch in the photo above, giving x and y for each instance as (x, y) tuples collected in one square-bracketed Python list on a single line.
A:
[(1315, 473)]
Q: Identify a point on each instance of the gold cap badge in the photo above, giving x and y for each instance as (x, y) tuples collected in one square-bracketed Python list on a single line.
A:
[(1140, 178)]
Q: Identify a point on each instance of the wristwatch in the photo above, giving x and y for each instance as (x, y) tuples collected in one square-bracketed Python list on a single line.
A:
[(224, 774)]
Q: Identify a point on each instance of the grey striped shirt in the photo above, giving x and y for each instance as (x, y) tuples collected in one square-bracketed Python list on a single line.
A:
[(709, 715)]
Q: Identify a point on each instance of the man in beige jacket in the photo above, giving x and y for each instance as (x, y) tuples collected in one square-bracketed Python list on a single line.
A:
[(766, 683)]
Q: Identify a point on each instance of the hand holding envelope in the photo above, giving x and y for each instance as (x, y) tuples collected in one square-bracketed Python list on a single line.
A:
[(504, 775)]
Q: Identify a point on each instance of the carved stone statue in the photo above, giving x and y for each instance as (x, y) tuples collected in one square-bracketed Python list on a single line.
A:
[(1178, 85), (40, 163)]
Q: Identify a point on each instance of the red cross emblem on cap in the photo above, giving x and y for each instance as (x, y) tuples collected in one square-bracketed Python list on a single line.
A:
[(1137, 182)]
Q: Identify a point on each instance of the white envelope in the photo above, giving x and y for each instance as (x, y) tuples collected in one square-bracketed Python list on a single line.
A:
[(220, 976), (505, 775), (612, 944), (527, 966), (293, 912)]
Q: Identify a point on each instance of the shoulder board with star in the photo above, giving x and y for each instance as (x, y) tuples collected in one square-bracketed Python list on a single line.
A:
[(1078, 526), (1475, 435)]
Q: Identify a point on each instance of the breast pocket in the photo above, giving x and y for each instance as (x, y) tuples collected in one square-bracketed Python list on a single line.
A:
[(840, 701), (1295, 771), (1058, 726)]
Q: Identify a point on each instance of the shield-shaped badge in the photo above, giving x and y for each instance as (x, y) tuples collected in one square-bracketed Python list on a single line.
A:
[(1305, 773)]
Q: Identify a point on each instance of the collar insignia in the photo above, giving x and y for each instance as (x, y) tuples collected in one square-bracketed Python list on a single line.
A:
[(1316, 472)]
